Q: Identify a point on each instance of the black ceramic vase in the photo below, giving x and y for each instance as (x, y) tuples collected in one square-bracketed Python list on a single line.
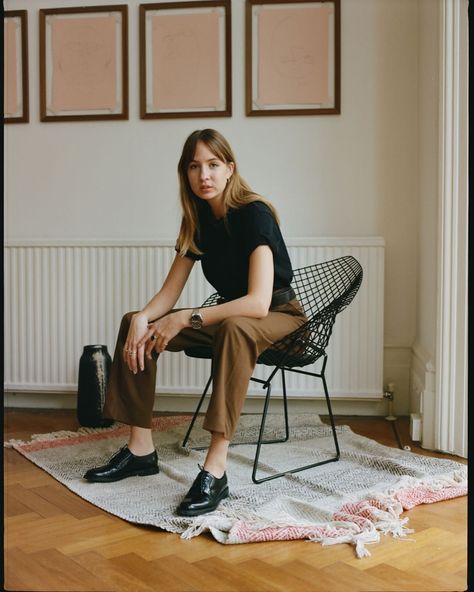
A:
[(94, 371)]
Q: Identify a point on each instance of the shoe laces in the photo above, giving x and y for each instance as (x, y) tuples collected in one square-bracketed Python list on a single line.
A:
[(118, 452), (205, 479)]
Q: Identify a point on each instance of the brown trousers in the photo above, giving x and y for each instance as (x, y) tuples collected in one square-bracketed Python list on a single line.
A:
[(236, 343)]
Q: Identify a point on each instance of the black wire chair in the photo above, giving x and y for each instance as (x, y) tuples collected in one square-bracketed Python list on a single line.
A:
[(323, 290)]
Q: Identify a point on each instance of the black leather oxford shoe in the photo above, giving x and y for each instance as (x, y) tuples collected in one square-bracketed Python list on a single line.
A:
[(124, 464), (205, 494)]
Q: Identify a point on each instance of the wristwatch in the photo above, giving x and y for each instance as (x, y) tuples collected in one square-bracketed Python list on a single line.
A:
[(196, 319)]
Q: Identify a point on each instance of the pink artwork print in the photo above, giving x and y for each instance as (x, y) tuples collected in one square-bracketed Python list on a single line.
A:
[(10, 74), (185, 61), (293, 55), (84, 61)]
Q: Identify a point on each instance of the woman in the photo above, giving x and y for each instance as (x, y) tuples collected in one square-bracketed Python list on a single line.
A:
[(235, 234)]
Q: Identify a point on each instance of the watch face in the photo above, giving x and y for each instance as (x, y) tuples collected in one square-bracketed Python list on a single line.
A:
[(196, 320)]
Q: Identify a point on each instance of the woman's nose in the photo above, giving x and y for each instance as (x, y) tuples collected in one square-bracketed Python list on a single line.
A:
[(204, 172)]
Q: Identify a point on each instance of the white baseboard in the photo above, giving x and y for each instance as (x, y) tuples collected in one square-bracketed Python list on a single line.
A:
[(415, 427), (185, 403), (423, 393)]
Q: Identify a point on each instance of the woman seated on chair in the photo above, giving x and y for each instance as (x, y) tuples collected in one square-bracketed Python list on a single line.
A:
[(234, 232)]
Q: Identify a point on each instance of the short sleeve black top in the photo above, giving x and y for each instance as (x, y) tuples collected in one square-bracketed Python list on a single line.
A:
[(228, 243)]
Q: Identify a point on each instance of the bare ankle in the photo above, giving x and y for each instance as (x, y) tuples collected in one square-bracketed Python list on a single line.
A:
[(140, 449), (216, 470), (140, 442)]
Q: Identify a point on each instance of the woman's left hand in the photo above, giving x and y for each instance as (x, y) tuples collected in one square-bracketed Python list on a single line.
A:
[(162, 331)]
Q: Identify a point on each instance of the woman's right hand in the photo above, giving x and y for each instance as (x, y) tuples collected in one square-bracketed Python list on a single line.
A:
[(133, 355)]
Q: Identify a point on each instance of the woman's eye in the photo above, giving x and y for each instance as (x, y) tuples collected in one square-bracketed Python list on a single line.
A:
[(214, 164)]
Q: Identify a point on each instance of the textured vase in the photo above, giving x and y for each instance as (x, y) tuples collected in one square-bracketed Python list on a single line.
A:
[(94, 371)]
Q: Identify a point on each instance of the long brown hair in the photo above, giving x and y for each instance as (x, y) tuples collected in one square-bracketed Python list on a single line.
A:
[(237, 192)]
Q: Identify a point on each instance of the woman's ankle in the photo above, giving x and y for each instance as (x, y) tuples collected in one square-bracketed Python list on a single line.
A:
[(140, 442), (216, 470), (140, 450)]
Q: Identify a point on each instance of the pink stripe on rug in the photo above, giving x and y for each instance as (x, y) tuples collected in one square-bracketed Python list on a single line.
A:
[(158, 423), (244, 533)]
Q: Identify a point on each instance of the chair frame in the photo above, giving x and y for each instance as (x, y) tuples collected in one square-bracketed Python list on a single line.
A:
[(323, 319)]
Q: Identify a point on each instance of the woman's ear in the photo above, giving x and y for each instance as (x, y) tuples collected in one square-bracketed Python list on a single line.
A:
[(230, 168)]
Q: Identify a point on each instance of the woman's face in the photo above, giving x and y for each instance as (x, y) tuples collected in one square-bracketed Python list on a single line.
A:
[(208, 175)]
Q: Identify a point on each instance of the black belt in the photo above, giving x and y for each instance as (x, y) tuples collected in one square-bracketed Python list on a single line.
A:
[(282, 296)]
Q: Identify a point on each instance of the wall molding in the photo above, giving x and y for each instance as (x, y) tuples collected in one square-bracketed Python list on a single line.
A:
[(422, 385), (330, 241), (187, 403), (445, 421)]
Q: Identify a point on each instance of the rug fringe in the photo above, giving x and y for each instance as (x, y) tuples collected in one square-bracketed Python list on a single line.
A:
[(204, 523), (359, 541), (457, 477), (59, 435), (13, 443)]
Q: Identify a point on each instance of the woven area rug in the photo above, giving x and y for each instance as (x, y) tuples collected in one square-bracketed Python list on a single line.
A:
[(352, 501)]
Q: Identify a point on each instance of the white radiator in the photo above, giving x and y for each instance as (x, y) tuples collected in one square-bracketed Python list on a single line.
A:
[(62, 296)]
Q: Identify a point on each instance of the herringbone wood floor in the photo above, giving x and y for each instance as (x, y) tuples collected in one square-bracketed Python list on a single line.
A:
[(54, 540)]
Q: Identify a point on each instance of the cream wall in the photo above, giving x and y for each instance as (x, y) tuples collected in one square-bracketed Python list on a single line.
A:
[(354, 174), (428, 105)]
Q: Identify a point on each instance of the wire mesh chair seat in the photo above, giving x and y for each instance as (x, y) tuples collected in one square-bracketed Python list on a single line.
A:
[(323, 290)]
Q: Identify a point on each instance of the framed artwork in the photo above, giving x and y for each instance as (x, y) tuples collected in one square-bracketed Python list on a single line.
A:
[(293, 57), (15, 67), (185, 59), (84, 63)]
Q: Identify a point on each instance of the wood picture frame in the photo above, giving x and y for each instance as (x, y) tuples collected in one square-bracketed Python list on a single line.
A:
[(293, 57), (15, 67), (185, 59), (83, 63)]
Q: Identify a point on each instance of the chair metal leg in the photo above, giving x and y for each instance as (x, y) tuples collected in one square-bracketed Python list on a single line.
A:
[(331, 417), (285, 405), (260, 435), (262, 428), (196, 413)]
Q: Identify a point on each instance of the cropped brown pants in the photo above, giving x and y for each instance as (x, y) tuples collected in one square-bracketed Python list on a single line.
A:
[(236, 343)]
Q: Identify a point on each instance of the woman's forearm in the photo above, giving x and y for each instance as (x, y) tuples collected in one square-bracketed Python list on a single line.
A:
[(159, 305), (166, 298), (250, 305)]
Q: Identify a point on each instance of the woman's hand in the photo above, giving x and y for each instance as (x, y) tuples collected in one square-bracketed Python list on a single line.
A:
[(162, 331), (132, 351)]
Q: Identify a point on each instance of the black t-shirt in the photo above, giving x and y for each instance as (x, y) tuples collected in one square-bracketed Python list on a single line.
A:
[(228, 243)]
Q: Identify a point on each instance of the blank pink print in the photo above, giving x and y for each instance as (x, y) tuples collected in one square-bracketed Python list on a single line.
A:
[(84, 63), (293, 56), (185, 58), (10, 74)]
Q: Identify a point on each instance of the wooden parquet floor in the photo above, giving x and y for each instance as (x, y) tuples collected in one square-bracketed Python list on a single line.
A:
[(54, 540)]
